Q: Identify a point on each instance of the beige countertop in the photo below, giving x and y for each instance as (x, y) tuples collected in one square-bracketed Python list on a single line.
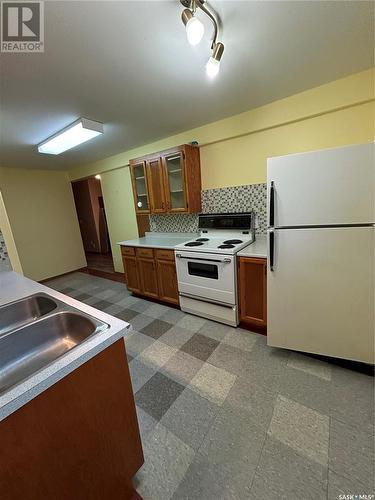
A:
[(159, 240), (256, 249)]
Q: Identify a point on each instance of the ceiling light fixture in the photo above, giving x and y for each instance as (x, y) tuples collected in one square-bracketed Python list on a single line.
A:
[(194, 28), (98, 177), (195, 31), (77, 133), (213, 64)]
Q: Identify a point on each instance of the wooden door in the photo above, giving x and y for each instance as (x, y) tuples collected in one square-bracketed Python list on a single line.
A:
[(148, 277), (167, 279), (175, 187), (155, 178), (140, 187), (131, 273), (253, 291)]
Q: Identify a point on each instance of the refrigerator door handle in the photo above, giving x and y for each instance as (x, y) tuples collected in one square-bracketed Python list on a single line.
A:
[(272, 250), (272, 205)]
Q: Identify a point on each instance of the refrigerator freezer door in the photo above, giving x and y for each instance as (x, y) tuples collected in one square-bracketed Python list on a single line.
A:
[(321, 292), (328, 187)]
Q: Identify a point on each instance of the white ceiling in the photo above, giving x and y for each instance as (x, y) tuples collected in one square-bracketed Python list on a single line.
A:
[(129, 65)]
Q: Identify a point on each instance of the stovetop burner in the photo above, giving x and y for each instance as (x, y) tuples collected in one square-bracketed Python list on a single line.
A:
[(226, 246), (193, 244), (202, 239), (232, 242)]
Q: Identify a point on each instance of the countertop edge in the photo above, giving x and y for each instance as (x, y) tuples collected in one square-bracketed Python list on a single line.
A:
[(26, 390), (256, 250), (37, 389)]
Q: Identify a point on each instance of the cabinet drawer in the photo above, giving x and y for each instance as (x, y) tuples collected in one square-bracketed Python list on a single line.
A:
[(127, 251), (147, 253), (165, 254)]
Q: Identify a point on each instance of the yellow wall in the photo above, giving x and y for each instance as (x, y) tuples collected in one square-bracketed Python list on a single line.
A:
[(41, 212), (9, 239), (234, 151), (119, 208)]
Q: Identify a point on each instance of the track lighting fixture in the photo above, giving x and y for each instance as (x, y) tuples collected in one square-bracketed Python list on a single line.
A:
[(194, 28), (213, 64), (195, 31)]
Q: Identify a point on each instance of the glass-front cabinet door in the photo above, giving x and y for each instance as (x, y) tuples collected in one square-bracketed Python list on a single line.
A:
[(139, 180), (175, 182)]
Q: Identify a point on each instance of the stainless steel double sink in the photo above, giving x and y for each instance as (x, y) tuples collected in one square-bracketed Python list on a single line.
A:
[(37, 330)]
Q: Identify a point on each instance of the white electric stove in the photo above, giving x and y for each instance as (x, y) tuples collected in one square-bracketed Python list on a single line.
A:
[(206, 266)]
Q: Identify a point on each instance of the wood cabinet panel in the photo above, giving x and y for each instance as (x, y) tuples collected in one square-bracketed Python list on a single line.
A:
[(164, 254), (253, 291), (131, 273), (173, 181), (151, 272), (167, 279), (143, 223), (146, 253), (148, 276), (140, 186), (78, 440), (155, 177), (128, 250)]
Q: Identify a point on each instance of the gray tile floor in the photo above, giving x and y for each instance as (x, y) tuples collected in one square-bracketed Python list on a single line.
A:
[(224, 416)]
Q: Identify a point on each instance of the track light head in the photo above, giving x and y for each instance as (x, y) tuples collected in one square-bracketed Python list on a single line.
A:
[(213, 64), (194, 28)]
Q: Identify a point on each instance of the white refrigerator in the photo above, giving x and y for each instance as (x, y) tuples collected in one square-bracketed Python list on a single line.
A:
[(321, 239)]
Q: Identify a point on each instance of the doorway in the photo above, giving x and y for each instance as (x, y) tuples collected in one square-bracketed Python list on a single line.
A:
[(88, 198)]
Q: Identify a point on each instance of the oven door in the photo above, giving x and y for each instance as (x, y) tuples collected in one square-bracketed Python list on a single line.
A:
[(210, 276)]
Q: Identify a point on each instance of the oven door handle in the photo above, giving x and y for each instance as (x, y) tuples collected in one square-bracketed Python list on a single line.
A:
[(225, 260)]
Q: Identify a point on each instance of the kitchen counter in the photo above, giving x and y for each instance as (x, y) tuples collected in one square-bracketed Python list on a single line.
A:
[(159, 240), (13, 287), (257, 249)]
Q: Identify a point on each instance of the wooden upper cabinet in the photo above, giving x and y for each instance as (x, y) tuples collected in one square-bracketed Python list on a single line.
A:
[(155, 178), (140, 187), (253, 291), (175, 186), (173, 181)]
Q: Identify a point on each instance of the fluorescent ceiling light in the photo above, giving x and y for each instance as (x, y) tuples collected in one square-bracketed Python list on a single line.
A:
[(77, 133)]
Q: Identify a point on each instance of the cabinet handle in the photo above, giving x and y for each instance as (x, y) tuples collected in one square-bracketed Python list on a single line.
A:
[(272, 205), (272, 250)]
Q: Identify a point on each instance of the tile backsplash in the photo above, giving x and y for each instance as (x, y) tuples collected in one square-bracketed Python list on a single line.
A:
[(174, 223), (220, 200), (238, 199), (4, 257)]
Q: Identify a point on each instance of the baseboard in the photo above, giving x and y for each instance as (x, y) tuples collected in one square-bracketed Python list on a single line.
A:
[(115, 276), (120, 277), (61, 275)]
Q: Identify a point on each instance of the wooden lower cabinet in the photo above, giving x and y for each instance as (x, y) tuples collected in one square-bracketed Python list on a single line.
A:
[(148, 276), (167, 278), (131, 273), (77, 440), (151, 272), (252, 284)]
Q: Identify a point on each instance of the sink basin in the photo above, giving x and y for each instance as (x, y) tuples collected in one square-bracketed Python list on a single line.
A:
[(32, 347), (25, 311)]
